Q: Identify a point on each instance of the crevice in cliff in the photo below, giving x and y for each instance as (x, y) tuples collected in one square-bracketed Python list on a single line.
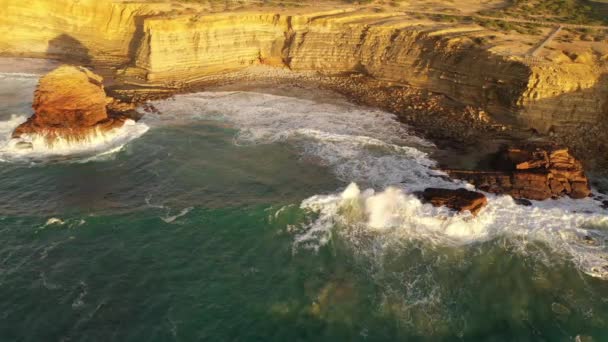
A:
[(136, 39), (362, 38), (290, 36)]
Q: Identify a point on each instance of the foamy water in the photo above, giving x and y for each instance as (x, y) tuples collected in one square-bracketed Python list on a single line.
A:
[(370, 148), (34, 147)]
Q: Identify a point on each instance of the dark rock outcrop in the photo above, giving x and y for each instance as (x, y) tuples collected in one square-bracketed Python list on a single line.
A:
[(534, 171), (459, 200), (69, 102)]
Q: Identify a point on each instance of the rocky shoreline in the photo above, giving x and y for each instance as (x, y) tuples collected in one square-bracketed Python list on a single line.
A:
[(457, 83), (462, 130), (71, 103)]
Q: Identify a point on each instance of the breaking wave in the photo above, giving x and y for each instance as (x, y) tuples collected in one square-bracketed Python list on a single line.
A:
[(370, 150), (579, 233), (33, 147)]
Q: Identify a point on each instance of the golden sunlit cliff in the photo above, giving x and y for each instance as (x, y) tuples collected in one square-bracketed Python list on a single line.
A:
[(163, 43)]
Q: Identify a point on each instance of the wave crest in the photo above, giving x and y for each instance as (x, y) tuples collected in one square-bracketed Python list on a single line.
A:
[(36, 147)]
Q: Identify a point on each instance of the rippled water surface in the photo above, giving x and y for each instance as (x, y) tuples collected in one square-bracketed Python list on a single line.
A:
[(248, 216)]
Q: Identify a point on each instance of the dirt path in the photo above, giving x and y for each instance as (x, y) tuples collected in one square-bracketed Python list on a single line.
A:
[(546, 41)]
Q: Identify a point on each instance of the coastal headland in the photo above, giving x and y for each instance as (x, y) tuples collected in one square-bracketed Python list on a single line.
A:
[(459, 74)]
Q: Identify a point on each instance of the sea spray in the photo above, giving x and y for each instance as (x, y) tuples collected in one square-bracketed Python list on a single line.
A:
[(35, 147), (372, 149), (580, 235)]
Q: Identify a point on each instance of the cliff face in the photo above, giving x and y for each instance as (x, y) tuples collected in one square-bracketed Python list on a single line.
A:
[(187, 47), (86, 31), (161, 43), (441, 60), (563, 95)]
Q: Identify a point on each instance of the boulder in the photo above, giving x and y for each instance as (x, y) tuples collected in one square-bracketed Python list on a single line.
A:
[(69, 102), (533, 171), (459, 200)]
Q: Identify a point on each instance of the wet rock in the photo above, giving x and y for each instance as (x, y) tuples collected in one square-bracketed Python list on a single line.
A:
[(523, 201), (459, 200), (69, 102), (534, 171)]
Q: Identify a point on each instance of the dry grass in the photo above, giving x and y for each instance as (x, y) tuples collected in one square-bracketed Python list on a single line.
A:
[(583, 12)]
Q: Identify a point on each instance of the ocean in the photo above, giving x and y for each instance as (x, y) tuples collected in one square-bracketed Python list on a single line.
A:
[(246, 216)]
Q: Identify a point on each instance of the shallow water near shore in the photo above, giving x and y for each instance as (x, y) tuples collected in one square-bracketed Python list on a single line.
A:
[(249, 216)]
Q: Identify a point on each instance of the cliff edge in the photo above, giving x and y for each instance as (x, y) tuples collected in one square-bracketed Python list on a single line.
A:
[(544, 79)]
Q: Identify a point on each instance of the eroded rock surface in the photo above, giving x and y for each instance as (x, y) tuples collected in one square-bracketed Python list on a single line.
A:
[(534, 171), (459, 200), (69, 102)]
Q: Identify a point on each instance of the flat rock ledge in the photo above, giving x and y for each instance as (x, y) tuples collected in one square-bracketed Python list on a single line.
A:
[(459, 200), (70, 103), (533, 171)]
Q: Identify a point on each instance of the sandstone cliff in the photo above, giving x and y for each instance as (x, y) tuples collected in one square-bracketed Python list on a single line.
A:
[(85, 31), (161, 43)]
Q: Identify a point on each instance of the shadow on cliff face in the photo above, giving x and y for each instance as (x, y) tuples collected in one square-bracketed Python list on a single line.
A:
[(458, 71), (137, 39), (69, 50), (578, 119)]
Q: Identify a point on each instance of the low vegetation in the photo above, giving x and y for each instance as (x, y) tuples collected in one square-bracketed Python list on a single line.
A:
[(495, 25), (582, 12), (499, 25)]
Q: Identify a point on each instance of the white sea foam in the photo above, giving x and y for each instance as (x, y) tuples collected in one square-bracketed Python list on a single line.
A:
[(371, 148), (359, 144), (59, 222), (581, 234), (18, 75), (172, 218), (36, 147), (54, 221)]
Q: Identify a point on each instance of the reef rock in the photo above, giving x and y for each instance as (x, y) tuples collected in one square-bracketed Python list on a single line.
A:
[(533, 171), (69, 102), (459, 200)]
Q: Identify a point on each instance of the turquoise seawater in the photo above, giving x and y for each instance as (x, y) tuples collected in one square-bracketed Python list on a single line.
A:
[(228, 220)]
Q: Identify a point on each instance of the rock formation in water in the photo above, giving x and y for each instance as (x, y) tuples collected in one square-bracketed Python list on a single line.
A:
[(69, 103), (533, 171), (162, 42), (459, 200), (173, 43)]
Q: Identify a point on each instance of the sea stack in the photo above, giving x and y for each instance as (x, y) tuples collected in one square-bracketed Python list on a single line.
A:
[(69, 103)]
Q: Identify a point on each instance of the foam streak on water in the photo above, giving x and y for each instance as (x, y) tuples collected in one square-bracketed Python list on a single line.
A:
[(371, 148)]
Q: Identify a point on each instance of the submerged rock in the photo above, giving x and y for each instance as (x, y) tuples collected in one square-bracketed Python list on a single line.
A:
[(459, 200), (533, 171), (70, 103)]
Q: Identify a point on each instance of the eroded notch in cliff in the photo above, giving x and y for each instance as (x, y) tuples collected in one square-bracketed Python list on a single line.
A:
[(138, 39), (290, 36)]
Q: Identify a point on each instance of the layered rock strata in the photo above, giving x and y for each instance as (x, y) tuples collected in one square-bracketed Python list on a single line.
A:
[(547, 95), (165, 43), (70, 103), (531, 172), (83, 32)]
